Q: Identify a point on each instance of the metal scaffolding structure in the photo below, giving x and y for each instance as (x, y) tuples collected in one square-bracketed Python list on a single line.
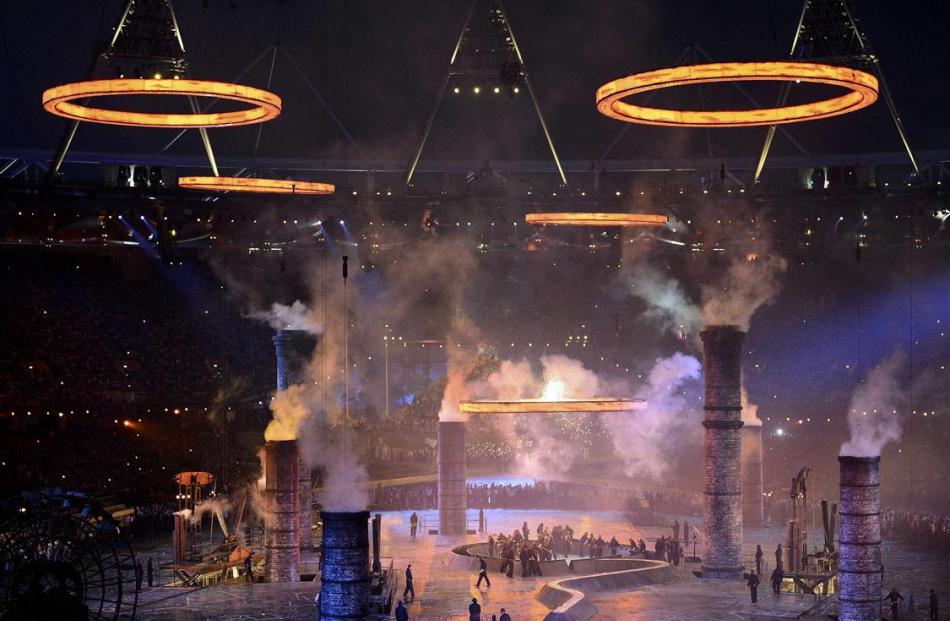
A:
[(486, 48), (830, 31), (145, 42)]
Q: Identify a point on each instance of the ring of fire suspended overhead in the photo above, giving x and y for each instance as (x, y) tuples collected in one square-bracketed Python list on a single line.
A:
[(862, 92), (60, 100), (597, 219), (256, 185), (543, 406)]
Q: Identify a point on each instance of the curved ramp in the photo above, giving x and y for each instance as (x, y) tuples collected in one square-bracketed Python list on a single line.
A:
[(566, 597)]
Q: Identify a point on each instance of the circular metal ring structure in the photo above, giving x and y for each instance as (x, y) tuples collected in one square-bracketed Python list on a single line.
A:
[(862, 92), (541, 406), (597, 219), (256, 185), (62, 557), (61, 101)]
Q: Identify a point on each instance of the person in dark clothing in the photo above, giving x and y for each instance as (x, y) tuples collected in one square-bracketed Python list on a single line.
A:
[(150, 572), (482, 573), (676, 529), (777, 576), (410, 589), (474, 611), (894, 597), (753, 582), (413, 524), (138, 577), (491, 546), (933, 605), (401, 613), (778, 556), (758, 559), (507, 617), (248, 569)]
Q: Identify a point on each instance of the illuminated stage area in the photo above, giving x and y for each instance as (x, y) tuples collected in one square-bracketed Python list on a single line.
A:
[(521, 311)]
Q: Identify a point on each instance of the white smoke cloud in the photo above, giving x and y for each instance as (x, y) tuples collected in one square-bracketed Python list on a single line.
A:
[(645, 440), (750, 411), (290, 409), (297, 316), (668, 304), (749, 283), (873, 415), (343, 484)]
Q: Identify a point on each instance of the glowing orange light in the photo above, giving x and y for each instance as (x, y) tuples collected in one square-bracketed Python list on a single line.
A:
[(862, 87), (59, 101), (541, 406), (597, 219), (251, 184)]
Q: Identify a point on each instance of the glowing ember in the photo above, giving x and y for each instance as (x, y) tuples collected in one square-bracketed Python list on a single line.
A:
[(255, 185), (59, 101), (545, 406), (862, 92), (597, 219)]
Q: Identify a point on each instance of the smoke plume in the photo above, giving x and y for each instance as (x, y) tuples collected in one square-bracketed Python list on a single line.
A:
[(290, 409), (460, 342), (749, 283), (667, 302), (645, 440), (750, 411), (873, 417), (297, 316)]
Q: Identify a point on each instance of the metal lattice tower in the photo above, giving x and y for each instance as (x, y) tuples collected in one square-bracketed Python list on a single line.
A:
[(487, 50), (829, 31), (146, 42)]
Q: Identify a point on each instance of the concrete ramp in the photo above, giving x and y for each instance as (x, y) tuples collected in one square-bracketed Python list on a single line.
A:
[(566, 597)]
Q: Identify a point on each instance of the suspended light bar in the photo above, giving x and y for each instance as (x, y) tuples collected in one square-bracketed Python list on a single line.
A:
[(59, 101), (540, 406), (597, 219), (255, 185), (862, 87)]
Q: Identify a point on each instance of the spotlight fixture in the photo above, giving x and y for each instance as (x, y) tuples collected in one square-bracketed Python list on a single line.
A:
[(59, 101), (477, 90), (862, 92), (255, 185)]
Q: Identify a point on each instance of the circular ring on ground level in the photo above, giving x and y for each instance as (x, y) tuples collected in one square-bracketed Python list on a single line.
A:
[(862, 92), (597, 219), (540, 406), (256, 185), (59, 100)]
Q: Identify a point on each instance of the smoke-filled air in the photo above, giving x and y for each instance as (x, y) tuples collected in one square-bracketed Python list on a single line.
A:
[(875, 410)]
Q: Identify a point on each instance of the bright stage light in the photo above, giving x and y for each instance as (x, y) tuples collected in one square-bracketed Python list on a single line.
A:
[(542, 406), (597, 219), (255, 185), (265, 105), (862, 87)]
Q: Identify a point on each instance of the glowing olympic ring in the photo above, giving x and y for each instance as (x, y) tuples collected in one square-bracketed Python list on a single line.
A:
[(252, 184), (862, 87), (597, 219), (59, 101)]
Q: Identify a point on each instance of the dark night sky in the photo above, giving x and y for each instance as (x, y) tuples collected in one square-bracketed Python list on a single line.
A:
[(379, 64)]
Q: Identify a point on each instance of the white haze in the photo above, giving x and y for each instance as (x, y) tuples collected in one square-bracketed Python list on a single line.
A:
[(873, 415), (297, 316)]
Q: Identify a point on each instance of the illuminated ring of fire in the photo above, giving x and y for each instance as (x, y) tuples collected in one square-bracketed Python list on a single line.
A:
[(863, 89), (59, 101), (597, 219), (540, 406), (253, 184)]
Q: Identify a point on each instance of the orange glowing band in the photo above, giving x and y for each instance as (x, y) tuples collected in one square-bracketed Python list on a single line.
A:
[(597, 219), (59, 101), (540, 406), (253, 184), (862, 87)]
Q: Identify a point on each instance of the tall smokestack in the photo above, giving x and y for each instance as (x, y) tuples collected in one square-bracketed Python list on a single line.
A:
[(452, 484), (294, 349), (722, 493), (345, 576), (753, 510), (281, 511), (860, 578)]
